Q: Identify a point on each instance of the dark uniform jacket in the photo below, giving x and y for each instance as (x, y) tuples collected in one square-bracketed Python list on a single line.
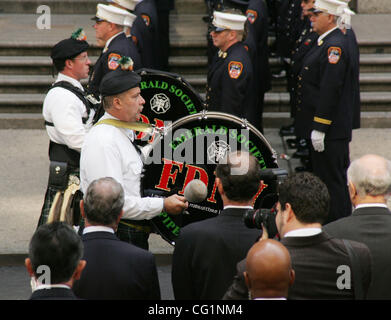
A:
[(355, 67), (206, 254), (116, 270), (144, 33), (257, 15), (370, 226), (231, 83), (326, 90), (304, 43), (108, 60), (315, 260)]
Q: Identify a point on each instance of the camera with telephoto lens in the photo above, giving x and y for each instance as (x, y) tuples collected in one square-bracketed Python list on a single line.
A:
[(266, 214)]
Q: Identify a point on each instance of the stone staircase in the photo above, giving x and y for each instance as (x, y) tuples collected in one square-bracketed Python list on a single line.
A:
[(25, 66)]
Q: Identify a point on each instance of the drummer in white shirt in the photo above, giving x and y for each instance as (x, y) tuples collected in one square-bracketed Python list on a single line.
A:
[(67, 113), (109, 151)]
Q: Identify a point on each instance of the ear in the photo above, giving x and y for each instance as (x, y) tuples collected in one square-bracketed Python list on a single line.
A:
[(247, 280), (219, 185), (69, 63), (83, 214), (120, 216), (292, 277), (81, 265), (290, 214), (29, 267), (352, 191)]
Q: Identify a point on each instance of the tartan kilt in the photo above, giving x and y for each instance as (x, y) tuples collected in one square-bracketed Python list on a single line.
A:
[(49, 198)]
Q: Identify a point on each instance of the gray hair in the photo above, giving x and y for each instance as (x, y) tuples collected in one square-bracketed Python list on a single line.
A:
[(371, 175), (104, 201)]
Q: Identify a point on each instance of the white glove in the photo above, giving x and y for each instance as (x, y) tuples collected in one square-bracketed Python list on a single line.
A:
[(317, 138)]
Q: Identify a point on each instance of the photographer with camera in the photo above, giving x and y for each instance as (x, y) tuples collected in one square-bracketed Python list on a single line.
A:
[(316, 256), (206, 252)]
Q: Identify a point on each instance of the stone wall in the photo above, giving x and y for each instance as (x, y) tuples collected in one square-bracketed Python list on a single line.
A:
[(373, 6)]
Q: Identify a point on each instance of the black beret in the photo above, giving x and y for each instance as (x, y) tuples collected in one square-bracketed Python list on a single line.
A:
[(68, 48), (118, 81)]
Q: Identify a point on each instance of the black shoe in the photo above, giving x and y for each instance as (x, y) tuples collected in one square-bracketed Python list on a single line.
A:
[(292, 143), (301, 153), (287, 130), (300, 169)]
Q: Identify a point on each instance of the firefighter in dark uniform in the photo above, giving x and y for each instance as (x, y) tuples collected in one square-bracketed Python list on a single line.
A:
[(304, 43), (109, 33), (230, 78), (146, 9), (258, 25), (163, 11), (325, 111), (143, 31)]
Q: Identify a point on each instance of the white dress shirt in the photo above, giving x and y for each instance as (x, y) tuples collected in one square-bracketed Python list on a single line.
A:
[(65, 110), (108, 152), (304, 232)]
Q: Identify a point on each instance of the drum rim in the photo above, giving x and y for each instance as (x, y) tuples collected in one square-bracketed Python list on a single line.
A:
[(222, 115), (141, 72)]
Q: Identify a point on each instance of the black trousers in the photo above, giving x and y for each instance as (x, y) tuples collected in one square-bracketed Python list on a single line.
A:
[(331, 167)]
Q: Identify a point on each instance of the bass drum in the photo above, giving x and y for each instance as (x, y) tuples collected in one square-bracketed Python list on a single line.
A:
[(168, 97), (190, 149)]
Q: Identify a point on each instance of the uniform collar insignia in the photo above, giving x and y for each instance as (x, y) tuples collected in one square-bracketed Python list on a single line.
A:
[(222, 54)]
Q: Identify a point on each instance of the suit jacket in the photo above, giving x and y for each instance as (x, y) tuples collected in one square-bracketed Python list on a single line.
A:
[(326, 90), (315, 260), (370, 226), (116, 270), (206, 254), (53, 294)]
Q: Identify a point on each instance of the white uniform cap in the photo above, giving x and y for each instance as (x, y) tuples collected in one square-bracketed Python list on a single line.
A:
[(336, 8), (230, 21), (114, 15), (128, 4)]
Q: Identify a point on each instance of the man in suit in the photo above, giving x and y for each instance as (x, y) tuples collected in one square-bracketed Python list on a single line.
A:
[(369, 180), (54, 261), (207, 252), (115, 269), (163, 16), (316, 256), (269, 272), (231, 84), (109, 25), (326, 97)]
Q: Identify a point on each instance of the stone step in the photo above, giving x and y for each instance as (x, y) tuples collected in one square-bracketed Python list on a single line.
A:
[(24, 83), (274, 102), (85, 6), (41, 65)]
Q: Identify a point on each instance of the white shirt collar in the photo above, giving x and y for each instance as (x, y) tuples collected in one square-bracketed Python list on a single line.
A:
[(321, 37), (51, 286), (369, 205), (238, 207), (97, 229), (304, 232), (108, 41), (63, 77), (129, 133)]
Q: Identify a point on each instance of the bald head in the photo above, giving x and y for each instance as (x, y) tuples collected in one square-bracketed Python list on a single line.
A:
[(103, 202), (269, 272), (370, 176)]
